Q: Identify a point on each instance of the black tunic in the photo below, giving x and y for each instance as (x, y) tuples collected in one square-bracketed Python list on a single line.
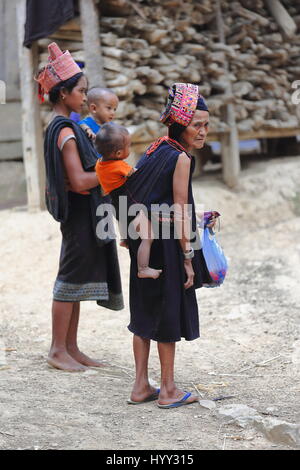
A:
[(88, 267), (162, 309)]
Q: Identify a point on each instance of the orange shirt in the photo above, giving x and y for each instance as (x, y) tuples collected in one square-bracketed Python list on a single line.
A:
[(112, 173)]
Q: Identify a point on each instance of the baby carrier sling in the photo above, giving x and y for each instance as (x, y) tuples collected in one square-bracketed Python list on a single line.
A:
[(140, 184), (55, 193)]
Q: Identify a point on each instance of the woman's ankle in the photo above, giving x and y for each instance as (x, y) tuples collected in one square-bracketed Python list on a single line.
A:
[(141, 384), (57, 350), (168, 390)]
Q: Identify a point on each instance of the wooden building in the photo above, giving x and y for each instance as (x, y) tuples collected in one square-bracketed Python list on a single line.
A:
[(10, 116), (243, 54)]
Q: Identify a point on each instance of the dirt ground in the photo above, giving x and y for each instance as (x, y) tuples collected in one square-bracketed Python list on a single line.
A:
[(249, 346)]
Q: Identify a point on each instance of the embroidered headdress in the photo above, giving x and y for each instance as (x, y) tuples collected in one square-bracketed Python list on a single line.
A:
[(59, 68), (183, 100)]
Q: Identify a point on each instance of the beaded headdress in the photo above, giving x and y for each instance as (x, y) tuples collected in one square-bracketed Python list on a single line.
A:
[(181, 104)]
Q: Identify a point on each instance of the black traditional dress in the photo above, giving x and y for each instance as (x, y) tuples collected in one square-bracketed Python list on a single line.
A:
[(88, 267), (162, 309)]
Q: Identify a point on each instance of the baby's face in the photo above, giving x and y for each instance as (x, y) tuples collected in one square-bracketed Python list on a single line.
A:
[(105, 108)]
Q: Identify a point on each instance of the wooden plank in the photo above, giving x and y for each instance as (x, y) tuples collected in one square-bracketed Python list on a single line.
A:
[(10, 118), (231, 164), (2, 41), (66, 35), (251, 15), (71, 25), (270, 133), (282, 18), (91, 42), (11, 51), (31, 121), (11, 150), (258, 134)]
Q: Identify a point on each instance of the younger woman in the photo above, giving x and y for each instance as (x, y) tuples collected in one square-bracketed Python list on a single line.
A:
[(88, 267)]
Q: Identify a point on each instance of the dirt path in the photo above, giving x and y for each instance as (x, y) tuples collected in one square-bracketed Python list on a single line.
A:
[(249, 349)]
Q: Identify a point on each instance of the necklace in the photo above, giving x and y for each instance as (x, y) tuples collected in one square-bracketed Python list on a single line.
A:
[(167, 139)]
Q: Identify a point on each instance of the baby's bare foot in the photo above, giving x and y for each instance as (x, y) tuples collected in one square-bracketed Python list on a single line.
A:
[(149, 273)]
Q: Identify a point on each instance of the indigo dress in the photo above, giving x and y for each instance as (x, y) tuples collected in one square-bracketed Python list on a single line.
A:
[(88, 268), (162, 309)]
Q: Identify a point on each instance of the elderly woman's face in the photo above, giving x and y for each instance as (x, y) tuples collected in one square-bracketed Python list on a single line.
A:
[(193, 137)]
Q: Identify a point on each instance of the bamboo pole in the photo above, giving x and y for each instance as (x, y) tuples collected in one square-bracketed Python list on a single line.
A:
[(91, 42), (32, 134), (229, 141)]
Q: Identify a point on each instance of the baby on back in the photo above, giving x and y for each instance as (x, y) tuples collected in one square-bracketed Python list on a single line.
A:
[(113, 143)]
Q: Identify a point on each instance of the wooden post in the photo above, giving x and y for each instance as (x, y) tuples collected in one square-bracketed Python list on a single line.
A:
[(229, 141), (11, 50), (32, 134), (2, 41), (282, 17), (91, 42)]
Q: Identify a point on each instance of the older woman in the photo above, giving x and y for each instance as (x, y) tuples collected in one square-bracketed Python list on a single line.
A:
[(165, 310)]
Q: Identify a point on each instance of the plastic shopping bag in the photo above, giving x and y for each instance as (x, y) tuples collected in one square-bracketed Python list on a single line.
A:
[(215, 259)]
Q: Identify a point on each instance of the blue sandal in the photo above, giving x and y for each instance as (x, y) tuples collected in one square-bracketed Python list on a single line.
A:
[(178, 403)]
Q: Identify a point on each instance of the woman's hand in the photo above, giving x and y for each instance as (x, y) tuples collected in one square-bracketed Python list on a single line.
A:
[(212, 223), (200, 220), (189, 271)]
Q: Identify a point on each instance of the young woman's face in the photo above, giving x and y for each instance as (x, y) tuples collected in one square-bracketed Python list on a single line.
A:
[(76, 99), (193, 137)]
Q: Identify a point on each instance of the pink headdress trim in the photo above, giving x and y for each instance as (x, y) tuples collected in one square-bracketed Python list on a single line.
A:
[(60, 67)]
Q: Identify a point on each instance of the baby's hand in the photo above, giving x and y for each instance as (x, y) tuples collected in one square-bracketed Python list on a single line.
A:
[(88, 132), (91, 134)]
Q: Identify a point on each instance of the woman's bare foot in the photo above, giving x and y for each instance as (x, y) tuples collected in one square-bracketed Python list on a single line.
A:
[(142, 394), (85, 360), (149, 273), (63, 361), (175, 396)]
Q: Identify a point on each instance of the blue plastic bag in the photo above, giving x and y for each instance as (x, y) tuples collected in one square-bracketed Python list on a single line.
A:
[(215, 259)]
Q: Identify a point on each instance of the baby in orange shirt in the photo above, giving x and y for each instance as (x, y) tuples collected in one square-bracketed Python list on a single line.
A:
[(113, 143)]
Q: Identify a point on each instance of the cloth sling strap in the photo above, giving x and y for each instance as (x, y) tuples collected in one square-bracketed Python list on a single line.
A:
[(141, 183), (56, 195), (151, 149)]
